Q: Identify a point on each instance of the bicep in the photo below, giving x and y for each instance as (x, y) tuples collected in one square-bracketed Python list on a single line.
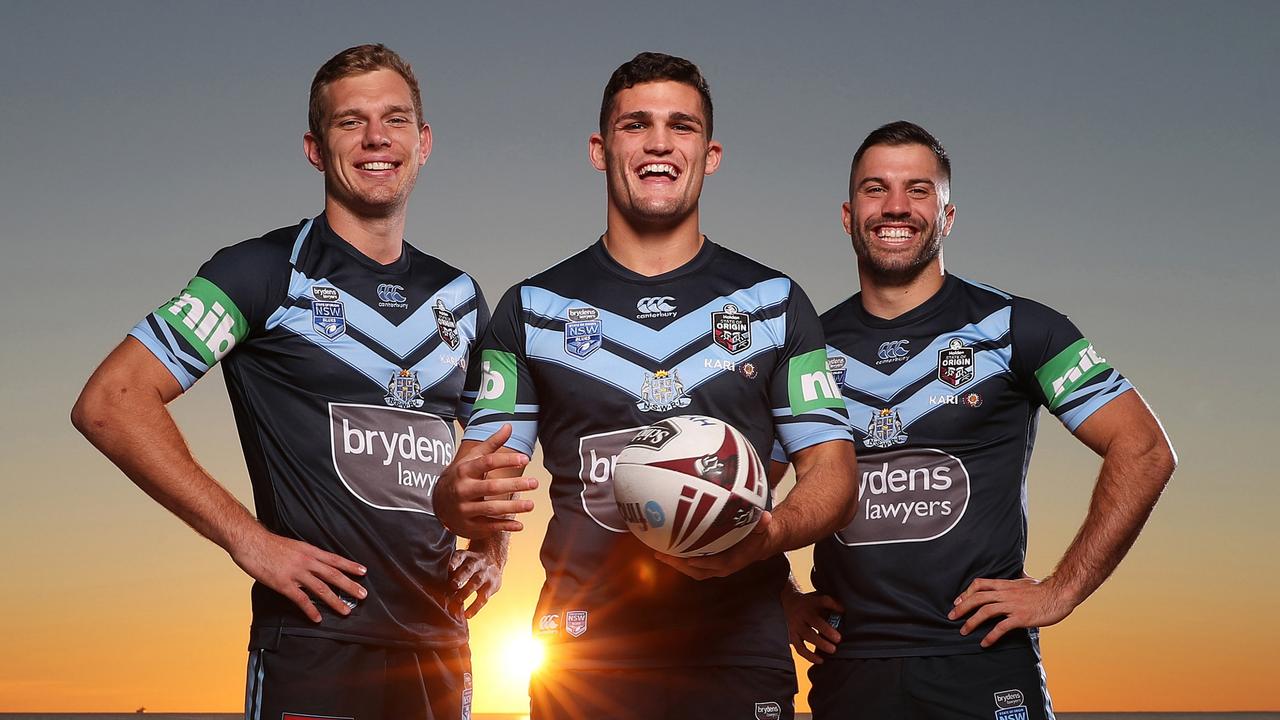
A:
[(132, 368), (1126, 419)]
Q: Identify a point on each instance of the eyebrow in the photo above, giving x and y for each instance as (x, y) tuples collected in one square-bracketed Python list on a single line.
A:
[(647, 116), (882, 181)]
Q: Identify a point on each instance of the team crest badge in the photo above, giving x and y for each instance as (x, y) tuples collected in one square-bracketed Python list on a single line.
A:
[(836, 366), (327, 314), (731, 329), (582, 333), (447, 324), (662, 391), (885, 429), (575, 622), (955, 363), (403, 390)]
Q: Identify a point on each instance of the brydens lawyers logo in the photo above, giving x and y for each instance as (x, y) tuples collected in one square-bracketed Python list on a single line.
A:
[(768, 710), (301, 716)]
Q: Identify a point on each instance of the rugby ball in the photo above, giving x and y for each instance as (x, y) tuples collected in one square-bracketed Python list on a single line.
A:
[(690, 485)]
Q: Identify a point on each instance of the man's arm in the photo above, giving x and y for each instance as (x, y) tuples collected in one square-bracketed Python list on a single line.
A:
[(1137, 462), (477, 570), (822, 501), (122, 412), (475, 496)]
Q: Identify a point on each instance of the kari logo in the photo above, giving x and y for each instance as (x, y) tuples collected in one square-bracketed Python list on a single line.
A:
[(1069, 370), (731, 329), (768, 710), (955, 363), (907, 496), (207, 319), (389, 458), (391, 296), (446, 324), (575, 622), (583, 333), (497, 381), (655, 307), (892, 351)]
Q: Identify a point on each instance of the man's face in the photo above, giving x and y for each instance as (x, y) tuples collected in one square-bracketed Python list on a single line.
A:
[(655, 152), (898, 212), (373, 143)]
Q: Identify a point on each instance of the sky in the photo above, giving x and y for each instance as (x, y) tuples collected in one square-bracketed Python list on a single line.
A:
[(1113, 160)]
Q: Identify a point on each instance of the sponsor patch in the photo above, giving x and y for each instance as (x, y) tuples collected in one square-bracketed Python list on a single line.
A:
[(324, 292), (389, 458), (597, 455), (447, 324), (206, 318), (768, 710), (955, 363), (662, 391), (575, 622), (837, 367), (329, 318), (391, 295), (403, 390), (810, 385), (498, 380), (892, 351), (731, 329), (583, 333), (1068, 371), (467, 692), (1009, 698), (1014, 713), (907, 495), (654, 515), (748, 370), (659, 306), (973, 400), (885, 429)]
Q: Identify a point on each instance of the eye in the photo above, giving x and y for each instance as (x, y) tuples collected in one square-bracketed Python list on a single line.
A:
[(918, 192), (637, 125), (681, 127), (398, 120), (873, 190), (348, 123)]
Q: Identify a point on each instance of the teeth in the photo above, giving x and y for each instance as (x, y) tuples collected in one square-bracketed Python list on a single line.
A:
[(658, 169), (894, 232), (377, 166)]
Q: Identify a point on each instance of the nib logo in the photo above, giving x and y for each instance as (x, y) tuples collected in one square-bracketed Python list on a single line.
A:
[(207, 319)]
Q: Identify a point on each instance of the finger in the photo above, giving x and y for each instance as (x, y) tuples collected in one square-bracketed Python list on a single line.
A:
[(482, 599), (829, 603), (340, 581), (495, 508), (347, 566), (459, 578), (507, 486), (824, 629), (999, 630), (807, 654), (493, 442), (478, 527), (986, 612), (813, 636), (478, 465), (456, 559), (971, 603), (980, 585), (323, 593), (299, 597)]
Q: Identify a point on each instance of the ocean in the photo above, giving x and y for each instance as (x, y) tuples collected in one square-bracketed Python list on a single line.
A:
[(519, 716)]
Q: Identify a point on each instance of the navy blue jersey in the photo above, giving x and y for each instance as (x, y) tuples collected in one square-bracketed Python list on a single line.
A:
[(345, 379), (943, 401), (583, 355)]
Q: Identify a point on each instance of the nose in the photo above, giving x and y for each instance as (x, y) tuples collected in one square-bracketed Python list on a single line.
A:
[(896, 204), (376, 135), (658, 140)]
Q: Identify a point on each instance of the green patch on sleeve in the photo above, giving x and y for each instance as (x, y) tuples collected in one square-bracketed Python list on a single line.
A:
[(810, 385), (1069, 370), (206, 318), (498, 379)]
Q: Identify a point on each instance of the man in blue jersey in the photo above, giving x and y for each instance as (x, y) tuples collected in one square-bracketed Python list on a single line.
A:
[(344, 350), (655, 320), (923, 608)]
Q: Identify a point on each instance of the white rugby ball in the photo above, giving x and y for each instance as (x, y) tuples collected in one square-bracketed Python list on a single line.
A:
[(690, 485)]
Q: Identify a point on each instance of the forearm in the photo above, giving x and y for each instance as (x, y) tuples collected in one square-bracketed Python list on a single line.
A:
[(1129, 484), (823, 498)]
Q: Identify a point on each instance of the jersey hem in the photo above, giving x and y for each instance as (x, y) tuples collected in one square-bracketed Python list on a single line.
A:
[(1006, 643), (267, 637)]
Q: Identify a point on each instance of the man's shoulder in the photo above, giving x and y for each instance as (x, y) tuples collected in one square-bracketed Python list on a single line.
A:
[(267, 251), (747, 268)]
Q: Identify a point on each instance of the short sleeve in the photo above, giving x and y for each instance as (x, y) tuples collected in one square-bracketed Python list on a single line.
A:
[(498, 381), (1059, 367), (808, 407), (466, 401)]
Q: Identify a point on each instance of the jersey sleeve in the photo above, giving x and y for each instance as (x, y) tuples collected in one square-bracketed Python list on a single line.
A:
[(808, 407), (498, 381), (1059, 367), (466, 401), (229, 299)]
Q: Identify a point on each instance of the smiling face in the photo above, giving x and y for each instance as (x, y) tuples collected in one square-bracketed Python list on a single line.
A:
[(371, 144), (898, 211), (655, 152)]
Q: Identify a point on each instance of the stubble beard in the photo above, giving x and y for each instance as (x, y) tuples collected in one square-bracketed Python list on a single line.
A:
[(895, 268)]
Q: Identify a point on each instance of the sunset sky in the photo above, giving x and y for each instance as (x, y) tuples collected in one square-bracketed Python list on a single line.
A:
[(1113, 160)]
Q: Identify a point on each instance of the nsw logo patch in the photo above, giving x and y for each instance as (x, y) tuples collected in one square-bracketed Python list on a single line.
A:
[(583, 333)]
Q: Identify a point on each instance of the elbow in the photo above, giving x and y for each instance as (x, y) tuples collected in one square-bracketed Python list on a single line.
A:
[(88, 415)]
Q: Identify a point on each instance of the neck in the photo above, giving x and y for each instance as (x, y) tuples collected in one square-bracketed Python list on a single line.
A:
[(378, 237), (651, 250), (888, 297)]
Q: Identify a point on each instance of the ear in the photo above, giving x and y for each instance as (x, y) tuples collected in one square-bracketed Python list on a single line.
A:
[(715, 153), (424, 144), (950, 213), (314, 150), (846, 217), (595, 148)]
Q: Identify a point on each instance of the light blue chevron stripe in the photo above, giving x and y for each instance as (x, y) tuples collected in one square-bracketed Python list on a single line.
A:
[(165, 354), (988, 288), (297, 243), (601, 365), (524, 433), (402, 339), (657, 344), (175, 347), (778, 454), (872, 381), (1115, 385)]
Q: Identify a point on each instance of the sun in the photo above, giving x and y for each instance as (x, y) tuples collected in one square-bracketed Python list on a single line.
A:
[(522, 655)]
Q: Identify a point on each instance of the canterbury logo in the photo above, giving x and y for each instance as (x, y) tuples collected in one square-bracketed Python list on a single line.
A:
[(893, 349), (653, 305), (389, 293)]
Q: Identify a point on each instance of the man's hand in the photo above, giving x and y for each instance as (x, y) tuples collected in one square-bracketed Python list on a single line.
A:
[(759, 544), (299, 571), (472, 573), (472, 506), (807, 624), (1025, 603)]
